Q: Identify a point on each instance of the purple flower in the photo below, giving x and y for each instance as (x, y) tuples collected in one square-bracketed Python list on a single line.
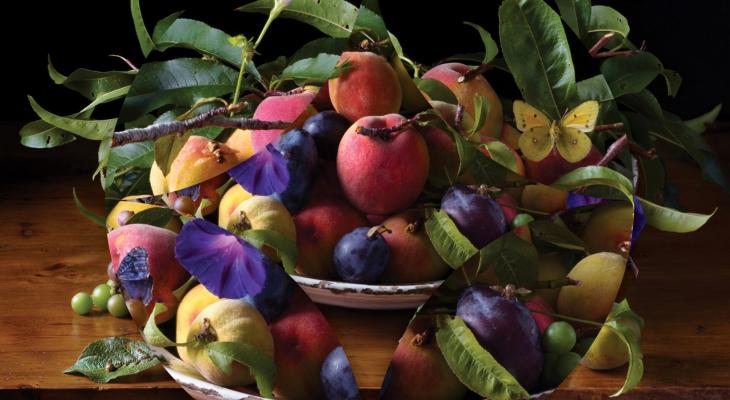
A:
[(224, 263), (263, 173), (579, 200)]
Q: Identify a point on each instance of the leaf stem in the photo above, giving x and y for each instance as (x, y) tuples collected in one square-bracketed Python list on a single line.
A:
[(565, 317)]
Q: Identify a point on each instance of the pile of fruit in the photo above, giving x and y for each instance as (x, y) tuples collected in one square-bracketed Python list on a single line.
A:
[(345, 161)]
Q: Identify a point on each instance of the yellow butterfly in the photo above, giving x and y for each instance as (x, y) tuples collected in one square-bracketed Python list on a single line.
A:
[(539, 135)]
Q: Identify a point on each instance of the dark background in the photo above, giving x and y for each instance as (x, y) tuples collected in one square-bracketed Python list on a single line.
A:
[(691, 37)]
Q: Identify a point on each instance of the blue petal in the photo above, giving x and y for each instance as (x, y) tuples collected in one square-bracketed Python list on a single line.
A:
[(639, 221), (263, 173), (576, 200), (134, 275), (225, 264)]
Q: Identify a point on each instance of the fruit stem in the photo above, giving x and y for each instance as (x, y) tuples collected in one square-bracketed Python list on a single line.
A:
[(207, 333), (377, 231), (556, 283), (387, 134), (473, 73)]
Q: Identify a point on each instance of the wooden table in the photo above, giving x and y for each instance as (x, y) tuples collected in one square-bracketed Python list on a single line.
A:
[(48, 251)]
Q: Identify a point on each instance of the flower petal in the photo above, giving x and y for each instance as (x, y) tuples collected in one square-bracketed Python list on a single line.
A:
[(639, 221), (263, 173), (225, 264), (576, 200)]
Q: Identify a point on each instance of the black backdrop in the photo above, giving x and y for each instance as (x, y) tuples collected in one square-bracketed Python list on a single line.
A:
[(692, 37)]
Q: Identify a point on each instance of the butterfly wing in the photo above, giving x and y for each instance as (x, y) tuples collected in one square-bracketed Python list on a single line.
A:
[(536, 143), (527, 116), (582, 118), (573, 145), (134, 275)]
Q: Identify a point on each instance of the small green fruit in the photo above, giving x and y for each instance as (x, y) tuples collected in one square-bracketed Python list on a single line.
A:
[(101, 295), (117, 306), (81, 303)]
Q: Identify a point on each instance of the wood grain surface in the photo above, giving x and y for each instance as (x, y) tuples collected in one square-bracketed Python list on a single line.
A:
[(48, 252)]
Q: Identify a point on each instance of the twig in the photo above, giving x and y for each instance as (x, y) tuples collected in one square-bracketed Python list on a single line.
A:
[(210, 118), (556, 283), (606, 127), (473, 73), (639, 151), (387, 134)]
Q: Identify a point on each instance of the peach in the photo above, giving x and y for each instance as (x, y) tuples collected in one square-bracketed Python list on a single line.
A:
[(538, 305), (241, 141), (609, 228), (510, 136), (442, 155), (368, 87), (552, 167), (158, 183), (130, 205), (234, 196), (600, 276), (544, 198), (263, 212), (418, 370), (199, 160), (449, 74), (412, 256), (302, 341), (164, 270), (194, 301), (382, 176), (319, 227), (322, 100), (608, 350), (228, 320), (294, 108)]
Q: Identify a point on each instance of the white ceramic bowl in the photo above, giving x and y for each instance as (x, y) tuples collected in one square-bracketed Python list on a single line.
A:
[(367, 297)]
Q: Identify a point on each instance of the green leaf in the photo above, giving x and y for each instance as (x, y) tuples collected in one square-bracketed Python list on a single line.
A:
[(92, 84), (86, 128), (619, 321), (481, 110), (155, 216), (490, 46), (576, 14), (42, 135), (145, 41), (261, 364), (180, 82), (472, 364), (112, 357), (513, 259), (502, 154), (372, 23), (132, 155), (317, 69), (699, 124), (597, 88), (593, 176), (435, 90), (670, 220), (450, 244), (152, 334), (673, 80), (97, 219), (284, 246), (604, 20), (106, 97), (196, 35), (538, 55), (557, 234), (488, 171), (318, 46), (333, 17), (631, 74)]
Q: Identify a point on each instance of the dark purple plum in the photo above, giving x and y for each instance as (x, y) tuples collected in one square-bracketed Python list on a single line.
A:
[(337, 378), (276, 294), (361, 255), (300, 153), (326, 128), (505, 328), (477, 216)]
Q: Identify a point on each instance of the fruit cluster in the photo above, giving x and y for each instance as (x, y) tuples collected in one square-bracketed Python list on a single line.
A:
[(342, 163)]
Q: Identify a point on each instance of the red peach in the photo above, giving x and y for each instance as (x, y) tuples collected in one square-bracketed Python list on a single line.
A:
[(552, 167), (294, 108), (382, 176)]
